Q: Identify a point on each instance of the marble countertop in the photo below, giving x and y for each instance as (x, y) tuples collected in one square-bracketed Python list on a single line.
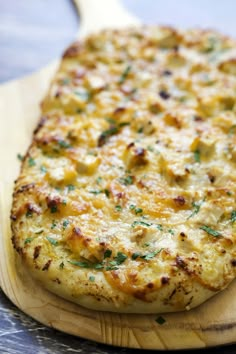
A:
[(27, 31)]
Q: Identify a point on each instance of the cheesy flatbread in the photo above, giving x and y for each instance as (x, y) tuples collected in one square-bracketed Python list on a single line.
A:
[(126, 197)]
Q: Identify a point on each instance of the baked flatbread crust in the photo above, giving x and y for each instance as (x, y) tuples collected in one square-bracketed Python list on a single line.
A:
[(126, 197)]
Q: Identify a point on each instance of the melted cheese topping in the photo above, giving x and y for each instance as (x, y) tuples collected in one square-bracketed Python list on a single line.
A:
[(132, 168)]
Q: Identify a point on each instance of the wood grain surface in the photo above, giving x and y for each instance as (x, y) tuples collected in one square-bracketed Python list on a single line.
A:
[(213, 323)]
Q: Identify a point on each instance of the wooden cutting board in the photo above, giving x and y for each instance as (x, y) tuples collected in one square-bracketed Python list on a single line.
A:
[(213, 323)]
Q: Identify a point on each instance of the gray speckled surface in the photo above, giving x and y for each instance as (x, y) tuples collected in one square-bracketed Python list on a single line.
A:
[(31, 34)]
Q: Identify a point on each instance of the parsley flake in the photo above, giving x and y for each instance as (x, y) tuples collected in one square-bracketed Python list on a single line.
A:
[(118, 207), (128, 180), (143, 223), (210, 231), (65, 224), (52, 241), (233, 216), (125, 74), (107, 253), (31, 162), (20, 157), (28, 240), (92, 278), (61, 265), (197, 156), (70, 187)]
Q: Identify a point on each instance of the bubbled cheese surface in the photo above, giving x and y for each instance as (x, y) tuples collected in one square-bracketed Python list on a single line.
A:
[(126, 197)]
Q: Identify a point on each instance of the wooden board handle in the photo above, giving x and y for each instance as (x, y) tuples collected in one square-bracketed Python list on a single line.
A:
[(96, 15)]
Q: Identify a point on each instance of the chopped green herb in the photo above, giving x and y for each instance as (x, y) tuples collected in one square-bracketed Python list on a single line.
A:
[(54, 224), (150, 148), (64, 201), (160, 320), (65, 81), (110, 120), (196, 208), (232, 129), (107, 192), (95, 192), (65, 224), (29, 214), (125, 74), (233, 216), (28, 240), (70, 187), (138, 210), (111, 267), (107, 253), (52, 240), (135, 255), (127, 180), (151, 255), (140, 130), (92, 278), (39, 232), (43, 169), (120, 258), (229, 193), (197, 156), (210, 231), (135, 209), (123, 124), (159, 227), (118, 207), (146, 244), (83, 95), (53, 209), (61, 265), (31, 162), (143, 223), (106, 134), (99, 180), (97, 266), (171, 231), (64, 144), (80, 264), (20, 157)]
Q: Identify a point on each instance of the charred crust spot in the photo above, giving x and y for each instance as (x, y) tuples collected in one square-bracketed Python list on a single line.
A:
[(211, 178), (37, 251), (165, 280), (172, 294), (182, 234), (167, 73), (179, 201), (140, 294), (31, 209), (73, 50), (164, 95), (47, 265), (26, 187), (140, 152), (198, 119), (13, 217), (76, 231), (130, 145), (53, 201), (150, 285), (40, 125), (233, 262), (56, 280), (119, 110), (180, 262)]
